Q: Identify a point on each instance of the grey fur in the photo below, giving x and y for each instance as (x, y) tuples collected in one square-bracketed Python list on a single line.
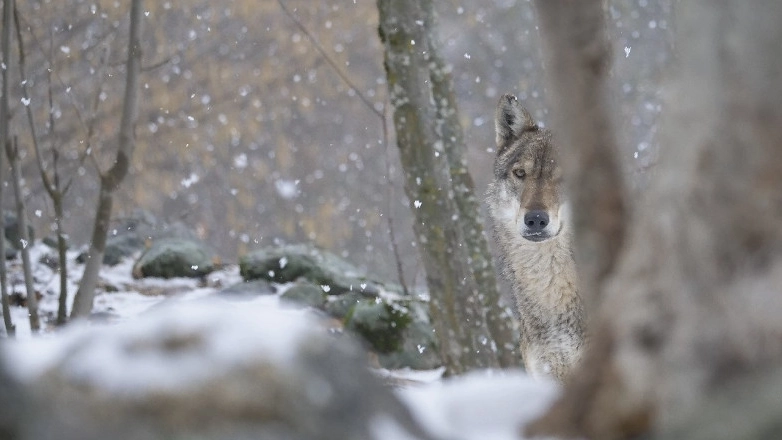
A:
[(541, 273)]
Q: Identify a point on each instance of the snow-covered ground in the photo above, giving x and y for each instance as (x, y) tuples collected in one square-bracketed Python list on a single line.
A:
[(480, 405)]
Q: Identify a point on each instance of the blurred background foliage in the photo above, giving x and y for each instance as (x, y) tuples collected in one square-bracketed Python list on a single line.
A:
[(248, 136)]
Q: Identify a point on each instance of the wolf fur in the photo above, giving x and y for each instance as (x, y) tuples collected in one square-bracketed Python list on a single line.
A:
[(533, 235)]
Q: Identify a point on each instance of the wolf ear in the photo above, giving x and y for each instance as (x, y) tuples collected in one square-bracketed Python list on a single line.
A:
[(511, 119)]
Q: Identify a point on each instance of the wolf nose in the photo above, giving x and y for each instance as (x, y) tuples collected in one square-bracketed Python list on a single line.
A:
[(536, 221)]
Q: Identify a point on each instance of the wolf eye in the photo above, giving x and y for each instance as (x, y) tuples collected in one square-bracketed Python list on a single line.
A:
[(520, 173)]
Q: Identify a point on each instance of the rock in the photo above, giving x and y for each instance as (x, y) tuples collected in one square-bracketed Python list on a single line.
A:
[(379, 323), (398, 331), (12, 405), (134, 233), (419, 346), (121, 246), (49, 260), (117, 248), (340, 306), (202, 371), (305, 294), (173, 257), (289, 263), (247, 290), (51, 241), (12, 232)]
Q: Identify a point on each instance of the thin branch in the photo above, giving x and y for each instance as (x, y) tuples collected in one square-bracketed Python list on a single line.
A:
[(37, 43), (389, 198), (157, 65), (94, 114), (26, 100), (384, 123)]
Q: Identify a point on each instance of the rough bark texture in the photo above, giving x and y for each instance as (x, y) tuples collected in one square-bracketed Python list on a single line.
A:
[(577, 56), (468, 332), (110, 181), (498, 315), (694, 304), (8, 6)]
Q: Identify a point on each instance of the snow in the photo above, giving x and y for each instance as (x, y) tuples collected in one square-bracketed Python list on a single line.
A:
[(488, 404), (219, 330), (480, 405)]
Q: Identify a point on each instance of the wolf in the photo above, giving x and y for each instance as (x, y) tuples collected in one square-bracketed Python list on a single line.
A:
[(530, 217)]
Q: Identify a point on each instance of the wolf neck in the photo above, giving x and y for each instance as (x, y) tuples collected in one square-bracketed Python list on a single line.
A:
[(545, 273)]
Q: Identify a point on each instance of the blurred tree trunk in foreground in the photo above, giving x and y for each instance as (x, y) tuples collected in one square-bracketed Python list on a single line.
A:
[(111, 179), (688, 314), (473, 329), (5, 114)]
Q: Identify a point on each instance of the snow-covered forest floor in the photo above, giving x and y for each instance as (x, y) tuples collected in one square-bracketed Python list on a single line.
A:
[(479, 405)]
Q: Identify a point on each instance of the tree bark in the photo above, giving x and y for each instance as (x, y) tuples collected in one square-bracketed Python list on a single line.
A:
[(110, 181), (424, 124), (12, 152), (577, 56), (499, 317), (693, 305), (62, 257), (5, 114)]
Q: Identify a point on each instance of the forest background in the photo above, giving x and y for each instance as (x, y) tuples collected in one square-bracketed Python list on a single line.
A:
[(249, 136)]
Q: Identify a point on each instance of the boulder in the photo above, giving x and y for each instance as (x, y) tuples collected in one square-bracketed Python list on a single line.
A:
[(174, 257), (51, 241), (134, 233), (340, 306), (380, 323), (399, 332), (305, 294), (418, 349), (247, 290), (205, 371), (12, 232), (286, 264), (394, 326)]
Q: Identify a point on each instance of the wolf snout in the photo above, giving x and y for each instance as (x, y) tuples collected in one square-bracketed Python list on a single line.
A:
[(536, 221)]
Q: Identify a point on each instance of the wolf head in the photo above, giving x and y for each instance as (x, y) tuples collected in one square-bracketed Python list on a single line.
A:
[(527, 188)]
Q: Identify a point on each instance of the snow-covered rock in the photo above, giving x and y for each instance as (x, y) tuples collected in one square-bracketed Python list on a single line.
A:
[(176, 257), (206, 370)]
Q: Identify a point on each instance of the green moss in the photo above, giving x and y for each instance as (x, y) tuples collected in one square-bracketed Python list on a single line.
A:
[(381, 324)]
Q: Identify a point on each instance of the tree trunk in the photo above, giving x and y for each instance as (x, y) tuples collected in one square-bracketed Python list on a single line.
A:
[(82, 302), (5, 114), (577, 58), (62, 257), (693, 304), (499, 317), (110, 181), (12, 152), (424, 125)]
